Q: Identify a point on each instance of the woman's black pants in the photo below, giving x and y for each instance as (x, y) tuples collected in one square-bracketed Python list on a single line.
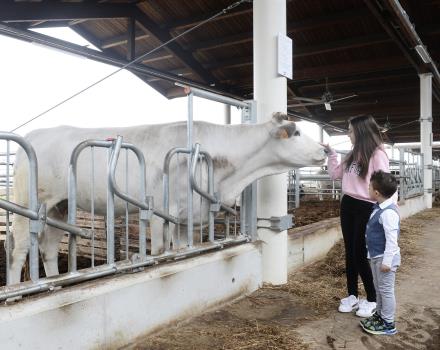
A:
[(354, 217)]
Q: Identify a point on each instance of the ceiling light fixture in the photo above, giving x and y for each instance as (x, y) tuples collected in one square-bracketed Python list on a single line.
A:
[(423, 53)]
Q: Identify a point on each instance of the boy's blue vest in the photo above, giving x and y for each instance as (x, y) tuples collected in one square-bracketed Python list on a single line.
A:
[(375, 234)]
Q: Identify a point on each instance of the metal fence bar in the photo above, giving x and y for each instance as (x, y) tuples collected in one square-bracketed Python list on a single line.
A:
[(36, 213), (110, 214), (33, 200), (189, 195), (8, 232), (92, 202)]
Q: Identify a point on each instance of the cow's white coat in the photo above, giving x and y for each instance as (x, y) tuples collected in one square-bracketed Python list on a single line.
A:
[(241, 154)]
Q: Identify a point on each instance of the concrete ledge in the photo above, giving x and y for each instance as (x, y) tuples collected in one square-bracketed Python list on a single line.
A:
[(111, 312), (411, 206), (311, 242)]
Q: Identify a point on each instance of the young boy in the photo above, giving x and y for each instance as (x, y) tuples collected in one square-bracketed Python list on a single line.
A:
[(381, 237)]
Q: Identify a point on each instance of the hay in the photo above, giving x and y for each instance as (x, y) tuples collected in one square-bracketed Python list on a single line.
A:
[(321, 285), (232, 334), (318, 287)]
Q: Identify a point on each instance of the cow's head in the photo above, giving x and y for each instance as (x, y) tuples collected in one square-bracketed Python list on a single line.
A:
[(292, 146)]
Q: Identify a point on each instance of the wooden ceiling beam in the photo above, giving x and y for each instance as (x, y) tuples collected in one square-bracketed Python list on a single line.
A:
[(350, 83), (339, 116), (292, 27), (311, 50), (56, 11), (340, 70), (157, 56), (397, 26), (183, 23), (358, 78), (163, 36), (364, 90), (122, 39)]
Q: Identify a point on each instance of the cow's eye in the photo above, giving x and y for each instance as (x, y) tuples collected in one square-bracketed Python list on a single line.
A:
[(296, 133)]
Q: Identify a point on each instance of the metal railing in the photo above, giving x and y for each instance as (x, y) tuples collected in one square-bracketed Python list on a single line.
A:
[(316, 183), (35, 211), (196, 157)]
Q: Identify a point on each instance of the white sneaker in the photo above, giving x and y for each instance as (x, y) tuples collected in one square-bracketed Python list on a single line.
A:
[(348, 304), (366, 308)]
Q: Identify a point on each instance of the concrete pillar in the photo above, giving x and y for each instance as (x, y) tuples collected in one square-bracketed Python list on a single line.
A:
[(227, 114), (270, 91), (426, 134)]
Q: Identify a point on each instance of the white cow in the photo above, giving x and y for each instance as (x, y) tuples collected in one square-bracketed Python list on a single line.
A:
[(241, 154)]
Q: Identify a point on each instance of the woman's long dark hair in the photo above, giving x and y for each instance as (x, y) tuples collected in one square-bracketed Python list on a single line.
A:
[(367, 138)]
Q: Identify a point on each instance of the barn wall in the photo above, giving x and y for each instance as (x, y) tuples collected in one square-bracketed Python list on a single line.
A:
[(311, 242), (411, 206), (105, 314)]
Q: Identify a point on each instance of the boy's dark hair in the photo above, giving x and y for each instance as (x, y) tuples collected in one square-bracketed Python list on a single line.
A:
[(384, 183)]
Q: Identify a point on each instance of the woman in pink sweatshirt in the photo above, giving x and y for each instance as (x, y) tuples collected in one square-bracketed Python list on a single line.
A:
[(355, 170)]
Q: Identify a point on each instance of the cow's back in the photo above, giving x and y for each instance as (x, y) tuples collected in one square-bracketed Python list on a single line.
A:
[(54, 146)]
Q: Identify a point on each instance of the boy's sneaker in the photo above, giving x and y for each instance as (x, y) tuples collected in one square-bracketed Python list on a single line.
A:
[(380, 328), (348, 304), (371, 320), (366, 308)]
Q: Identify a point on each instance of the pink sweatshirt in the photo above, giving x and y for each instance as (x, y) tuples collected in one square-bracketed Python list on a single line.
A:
[(352, 183)]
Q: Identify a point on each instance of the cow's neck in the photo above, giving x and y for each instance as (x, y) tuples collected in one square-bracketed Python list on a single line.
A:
[(254, 168), (251, 157)]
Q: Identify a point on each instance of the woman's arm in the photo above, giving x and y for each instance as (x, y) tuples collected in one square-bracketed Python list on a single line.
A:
[(335, 168)]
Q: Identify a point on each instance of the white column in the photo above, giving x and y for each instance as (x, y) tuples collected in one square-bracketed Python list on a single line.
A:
[(270, 91), (227, 114), (426, 134)]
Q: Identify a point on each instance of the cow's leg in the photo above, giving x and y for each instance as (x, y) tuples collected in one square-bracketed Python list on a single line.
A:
[(20, 243), (49, 242), (156, 229)]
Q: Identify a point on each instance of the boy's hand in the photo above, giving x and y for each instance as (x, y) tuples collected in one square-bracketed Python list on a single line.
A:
[(385, 268)]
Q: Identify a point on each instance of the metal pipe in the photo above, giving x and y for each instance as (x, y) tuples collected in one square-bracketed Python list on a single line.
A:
[(71, 193), (26, 212), (126, 206), (189, 197), (8, 231), (166, 190), (213, 96), (104, 270), (197, 188), (297, 187), (76, 231), (110, 212), (126, 197), (211, 214), (92, 202), (33, 199)]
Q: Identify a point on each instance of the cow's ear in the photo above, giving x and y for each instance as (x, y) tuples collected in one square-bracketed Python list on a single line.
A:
[(278, 117), (284, 131)]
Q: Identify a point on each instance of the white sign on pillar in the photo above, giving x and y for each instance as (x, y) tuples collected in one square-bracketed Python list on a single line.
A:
[(284, 66)]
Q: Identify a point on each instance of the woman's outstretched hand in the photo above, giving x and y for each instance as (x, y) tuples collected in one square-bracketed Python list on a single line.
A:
[(327, 148)]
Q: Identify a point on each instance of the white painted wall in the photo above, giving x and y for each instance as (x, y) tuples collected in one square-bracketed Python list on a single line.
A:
[(312, 242), (111, 312)]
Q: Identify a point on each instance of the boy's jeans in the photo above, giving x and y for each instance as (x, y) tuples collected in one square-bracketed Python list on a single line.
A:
[(384, 285)]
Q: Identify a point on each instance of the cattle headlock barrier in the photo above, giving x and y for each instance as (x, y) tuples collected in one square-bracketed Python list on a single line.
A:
[(147, 208)]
